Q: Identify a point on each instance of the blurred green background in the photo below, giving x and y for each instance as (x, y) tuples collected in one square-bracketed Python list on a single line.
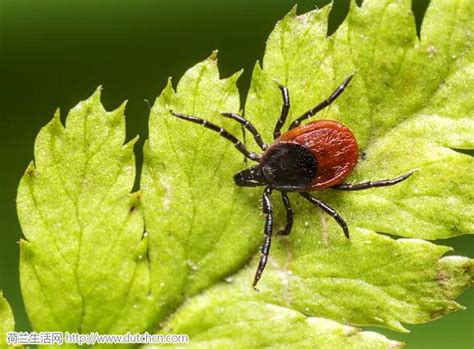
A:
[(54, 54)]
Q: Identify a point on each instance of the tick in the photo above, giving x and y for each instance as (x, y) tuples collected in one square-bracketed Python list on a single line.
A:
[(313, 157)]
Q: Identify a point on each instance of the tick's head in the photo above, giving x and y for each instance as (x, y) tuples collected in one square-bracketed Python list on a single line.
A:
[(250, 177)]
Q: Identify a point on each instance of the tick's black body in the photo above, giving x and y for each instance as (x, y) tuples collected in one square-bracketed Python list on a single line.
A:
[(285, 167), (293, 164)]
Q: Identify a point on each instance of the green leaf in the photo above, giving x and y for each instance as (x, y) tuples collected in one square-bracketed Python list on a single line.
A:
[(193, 213), (83, 265), (7, 322), (373, 280), (88, 266), (409, 106), (215, 322)]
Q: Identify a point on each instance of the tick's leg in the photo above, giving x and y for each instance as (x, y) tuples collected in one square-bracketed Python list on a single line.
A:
[(265, 249), (244, 141), (248, 125), (284, 111), (222, 132), (328, 209), (321, 105), (372, 184), (289, 215)]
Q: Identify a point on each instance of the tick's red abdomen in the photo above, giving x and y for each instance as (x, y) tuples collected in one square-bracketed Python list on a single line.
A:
[(334, 147)]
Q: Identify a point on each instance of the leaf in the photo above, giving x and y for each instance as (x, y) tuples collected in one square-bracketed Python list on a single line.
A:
[(193, 214), (215, 322), (7, 322), (88, 266), (408, 105), (398, 281), (410, 109), (83, 265)]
